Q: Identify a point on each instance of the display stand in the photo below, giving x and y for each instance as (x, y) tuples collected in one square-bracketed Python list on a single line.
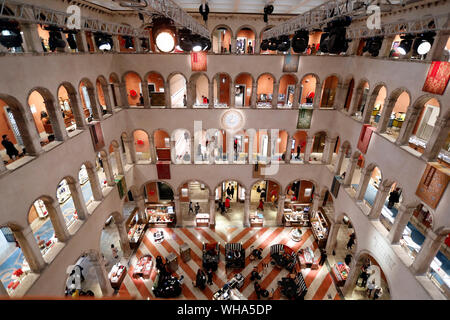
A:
[(143, 267), (339, 273), (136, 229), (160, 215), (117, 274), (202, 220), (307, 258), (230, 289), (296, 214), (319, 227), (257, 219)]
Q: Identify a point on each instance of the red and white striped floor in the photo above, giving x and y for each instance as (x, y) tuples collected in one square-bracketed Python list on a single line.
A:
[(319, 282)]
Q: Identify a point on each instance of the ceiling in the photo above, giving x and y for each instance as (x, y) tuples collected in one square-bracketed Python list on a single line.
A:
[(233, 6)]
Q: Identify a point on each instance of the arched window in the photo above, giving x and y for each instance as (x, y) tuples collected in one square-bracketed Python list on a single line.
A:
[(222, 86), (221, 40), (178, 93), (264, 90), (245, 41), (243, 85)]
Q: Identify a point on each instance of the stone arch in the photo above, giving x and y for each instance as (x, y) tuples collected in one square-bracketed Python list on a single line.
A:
[(173, 146), (244, 26), (217, 88), (193, 180), (28, 133), (372, 98), (280, 186), (90, 88), (128, 72), (194, 86), (314, 182), (221, 25), (54, 112), (103, 96), (141, 188), (331, 93), (232, 179), (391, 103), (180, 102)]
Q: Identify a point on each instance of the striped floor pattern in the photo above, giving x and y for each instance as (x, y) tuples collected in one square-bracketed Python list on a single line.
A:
[(319, 282)]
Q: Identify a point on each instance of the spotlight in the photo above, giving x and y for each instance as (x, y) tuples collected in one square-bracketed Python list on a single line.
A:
[(264, 45), (144, 44), (103, 41), (204, 11), (283, 43), (55, 39), (333, 40), (196, 43), (128, 42), (71, 38), (300, 41), (267, 10), (273, 44), (164, 34), (10, 34), (185, 40), (373, 45), (405, 45), (423, 42)]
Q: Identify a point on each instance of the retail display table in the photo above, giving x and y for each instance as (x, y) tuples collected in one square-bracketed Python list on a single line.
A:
[(143, 267), (117, 274), (339, 273)]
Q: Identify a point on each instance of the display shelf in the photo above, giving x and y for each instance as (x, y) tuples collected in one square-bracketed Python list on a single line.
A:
[(117, 274), (296, 214), (339, 273), (160, 214), (202, 220), (143, 267), (319, 227), (257, 220)]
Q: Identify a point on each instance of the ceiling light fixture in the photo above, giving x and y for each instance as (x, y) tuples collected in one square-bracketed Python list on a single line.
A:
[(300, 41), (10, 34), (164, 33), (406, 44)]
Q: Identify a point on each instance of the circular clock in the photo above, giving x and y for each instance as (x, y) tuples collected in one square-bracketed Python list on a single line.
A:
[(232, 120)]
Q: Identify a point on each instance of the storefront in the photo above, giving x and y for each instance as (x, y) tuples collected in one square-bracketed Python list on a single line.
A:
[(159, 205)]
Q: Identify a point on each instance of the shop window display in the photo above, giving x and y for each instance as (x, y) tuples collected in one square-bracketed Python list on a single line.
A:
[(245, 40), (264, 91), (424, 125), (378, 107), (329, 92), (221, 40)]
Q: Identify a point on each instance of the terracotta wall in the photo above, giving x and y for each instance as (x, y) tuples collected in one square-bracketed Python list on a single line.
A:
[(284, 82), (201, 88), (304, 184), (4, 125), (300, 138), (62, 93), (224, 89), (314, 38), (141, 135), (246, 80), (160, 135), (402, 103), (132, 81), (122, 45), (271, 186), (265, 85), (330, 83), (282, 144), (309, 85), (100, 95), (36, 99), (250, 35), (157, 80), (152, 192)]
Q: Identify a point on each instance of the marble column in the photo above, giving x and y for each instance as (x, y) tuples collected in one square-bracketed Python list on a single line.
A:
[(339, 160), (31, 37), (95, 184), (137, 45), (308, 147), (153, 154), (211, 94), (97, 114), (363, 183), (349, 171), (407, 128), (295, 104), (31, 139), (81, 39), (341, 93), (251, 140), (233, 45), (276, 86), (401, 220), (108, 171), (173, 152), (386, 115), (317, 202), (231, 95), (328, 150), (140, 203), (30, 249), (247, 210), (437, 139), (230, 147), (332, 238), (178, 213), (167, 95), (317, 95), (124, 241), (116, 43), (57, 121), (145, 94), (257, 44), (57, 218), (288, 155), (109, 106), (427, 253), (78, 200), (253, 97), (378, 204), (212, 210), (118, 158), (190, 95), (130, 151), (124, 95), (280, 210), (352, 277), (102, 276)]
